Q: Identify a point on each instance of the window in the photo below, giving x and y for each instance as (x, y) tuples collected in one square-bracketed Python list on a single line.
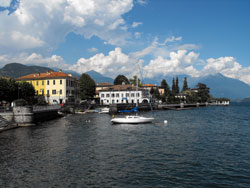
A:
[(47, 92), (107, 101), (117, 94), (54, 82), (138, 94), (60, 82), (132, 95), (113, 95), (53, 91), (102, 95), (60, 91), (47, 82), (43, 82), (107, 95), (127, 94), (117, 101), (37, 83), (122, 94)]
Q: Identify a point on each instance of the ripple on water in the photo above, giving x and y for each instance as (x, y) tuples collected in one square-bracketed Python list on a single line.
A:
[(201, 147)]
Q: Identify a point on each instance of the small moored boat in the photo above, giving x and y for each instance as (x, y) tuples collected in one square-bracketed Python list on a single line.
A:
[(132, 120)]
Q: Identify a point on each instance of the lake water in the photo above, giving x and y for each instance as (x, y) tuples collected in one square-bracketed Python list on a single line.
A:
[(201, 147)]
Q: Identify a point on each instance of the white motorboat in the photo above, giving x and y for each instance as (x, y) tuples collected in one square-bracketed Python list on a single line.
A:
[(132, 119)]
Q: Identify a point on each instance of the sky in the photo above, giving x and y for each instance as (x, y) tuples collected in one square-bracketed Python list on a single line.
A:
[(157, 37)]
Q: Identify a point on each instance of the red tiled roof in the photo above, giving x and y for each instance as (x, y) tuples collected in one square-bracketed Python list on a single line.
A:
[(37, 76)]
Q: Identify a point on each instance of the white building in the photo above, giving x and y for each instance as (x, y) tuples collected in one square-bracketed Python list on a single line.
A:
[(118, 94)]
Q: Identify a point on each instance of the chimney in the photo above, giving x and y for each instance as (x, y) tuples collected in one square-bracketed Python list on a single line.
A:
[(60, 70)]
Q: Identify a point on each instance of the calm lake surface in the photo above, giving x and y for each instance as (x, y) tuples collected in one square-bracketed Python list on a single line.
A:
[(201, 147)]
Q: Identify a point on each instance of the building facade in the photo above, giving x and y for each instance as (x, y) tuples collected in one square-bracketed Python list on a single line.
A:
[(56, 87), (118, 94)]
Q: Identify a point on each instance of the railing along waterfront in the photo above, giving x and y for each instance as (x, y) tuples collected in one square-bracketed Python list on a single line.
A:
[(6, 109), (49, 107)]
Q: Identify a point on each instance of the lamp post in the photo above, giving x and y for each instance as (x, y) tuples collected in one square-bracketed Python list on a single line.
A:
[(18, 88)]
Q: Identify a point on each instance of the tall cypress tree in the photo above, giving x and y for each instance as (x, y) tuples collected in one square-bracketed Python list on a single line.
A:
[(165, 86), (177, 89), (173, 86), (185, 85)]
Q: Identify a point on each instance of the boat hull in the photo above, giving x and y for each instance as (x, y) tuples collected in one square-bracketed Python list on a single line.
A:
[(132, 120)]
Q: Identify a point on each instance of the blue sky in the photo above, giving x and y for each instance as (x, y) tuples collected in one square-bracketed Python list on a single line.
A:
[(165, 37)]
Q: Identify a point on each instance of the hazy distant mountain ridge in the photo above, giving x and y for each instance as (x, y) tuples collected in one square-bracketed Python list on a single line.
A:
[(99, 78)]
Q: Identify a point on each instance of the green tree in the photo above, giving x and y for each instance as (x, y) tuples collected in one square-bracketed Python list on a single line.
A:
[(26, 91), (173, 86), (134, 80), (155, 93), (87, 87), (165, 86), (8, 89), (203, 93), (185, 85), (121, 79), (177, 89), (4, 89)]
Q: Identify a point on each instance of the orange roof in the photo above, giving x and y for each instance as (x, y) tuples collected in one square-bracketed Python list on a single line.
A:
[(37, 76), (149, 85)]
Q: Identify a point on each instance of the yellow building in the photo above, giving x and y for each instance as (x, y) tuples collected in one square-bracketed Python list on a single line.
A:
[(56, 87)]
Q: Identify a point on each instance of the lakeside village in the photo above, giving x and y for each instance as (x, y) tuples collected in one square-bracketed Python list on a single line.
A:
[(63, 92)]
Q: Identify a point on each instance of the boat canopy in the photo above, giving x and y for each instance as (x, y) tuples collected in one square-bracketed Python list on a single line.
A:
[(132, 110)]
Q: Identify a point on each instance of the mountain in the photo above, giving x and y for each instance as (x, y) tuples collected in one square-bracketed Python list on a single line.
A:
[(220, 86), (74, 74), (14, 70), (99, 78)]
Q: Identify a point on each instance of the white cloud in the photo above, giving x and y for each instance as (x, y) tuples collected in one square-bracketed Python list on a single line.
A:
[(228, 66), (137, 35), (180, 62), (187, 47), (136, 24), (93, 50), (5, 3), (35, 59), (142, 2), (172, 39), (47, 23), (113, 64), (225, 65)]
